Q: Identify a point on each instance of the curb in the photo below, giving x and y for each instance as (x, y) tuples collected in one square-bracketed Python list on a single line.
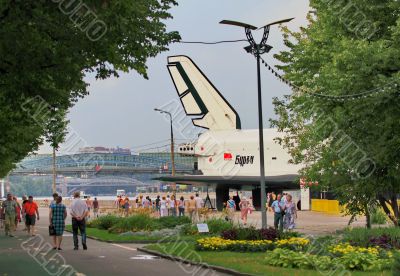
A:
[(108, 241), (203, 265)]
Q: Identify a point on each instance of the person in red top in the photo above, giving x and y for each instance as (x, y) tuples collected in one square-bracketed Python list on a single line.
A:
[(31, 211)]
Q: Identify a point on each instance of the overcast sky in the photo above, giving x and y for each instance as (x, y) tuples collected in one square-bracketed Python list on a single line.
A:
[(119, 111)]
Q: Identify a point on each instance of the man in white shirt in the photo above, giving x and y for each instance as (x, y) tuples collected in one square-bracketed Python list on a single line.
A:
[(79, 211)]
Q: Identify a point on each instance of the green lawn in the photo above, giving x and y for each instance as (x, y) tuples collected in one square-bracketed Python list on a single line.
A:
[(252, 263), (104, 235)]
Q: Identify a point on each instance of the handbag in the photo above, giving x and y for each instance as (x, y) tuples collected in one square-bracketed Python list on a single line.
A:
[(52, 230)]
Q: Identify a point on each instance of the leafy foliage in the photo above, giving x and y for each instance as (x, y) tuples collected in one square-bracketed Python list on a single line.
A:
[(383, 237), (251, 233), (217, 226), (352, 261), (351, 146), (45, 55), (291, 259), (138, 222), (104, 222), (378, 216), (396, 265)]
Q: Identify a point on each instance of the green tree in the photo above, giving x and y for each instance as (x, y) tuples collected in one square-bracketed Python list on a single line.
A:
[(349, 143), (55, 133), (47, 48)]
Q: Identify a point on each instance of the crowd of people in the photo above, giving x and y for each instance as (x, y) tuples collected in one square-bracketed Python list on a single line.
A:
[(164, 205), (13, 212), (282, 205)]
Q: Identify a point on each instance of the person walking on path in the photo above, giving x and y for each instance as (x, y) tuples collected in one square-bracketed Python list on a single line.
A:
[(95, 208), (192, 209), (126, 207), (31, 211), (157, 202), (230, 208), (278, 207), (24, 200), (18, 213), (57, 216), (163, 207), (290, 213), (172, 206), (79, 212), (181, 206), (53, 202), (244, 206), (89, 206), (9, 214), (199, 205)]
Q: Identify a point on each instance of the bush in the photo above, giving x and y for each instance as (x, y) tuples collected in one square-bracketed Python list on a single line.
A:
[(269, 234), (363, 262), (385, 242), (378, 216), (291, 259), (288, 235), (189, 230), (230, 234), (396, 265), (138, 222), (352, 261), (104, 222), (384, 237), (217, 226), (171, 222), (135, 223), (250, 234)]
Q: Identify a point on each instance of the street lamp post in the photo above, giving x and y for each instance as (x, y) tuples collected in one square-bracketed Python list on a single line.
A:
[(172, 140), (257, 50)]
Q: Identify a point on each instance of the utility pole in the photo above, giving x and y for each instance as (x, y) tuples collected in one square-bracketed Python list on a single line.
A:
[(257, 50), (172, 145)]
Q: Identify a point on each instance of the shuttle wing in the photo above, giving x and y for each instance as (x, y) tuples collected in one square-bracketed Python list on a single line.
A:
[(199, 96), (288, 181)]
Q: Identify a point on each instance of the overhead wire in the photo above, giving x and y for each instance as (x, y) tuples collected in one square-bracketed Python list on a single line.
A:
[(212, 42), (307, 92)]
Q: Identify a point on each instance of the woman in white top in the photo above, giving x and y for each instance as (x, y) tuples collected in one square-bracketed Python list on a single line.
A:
[(172, 206), (163, 207)]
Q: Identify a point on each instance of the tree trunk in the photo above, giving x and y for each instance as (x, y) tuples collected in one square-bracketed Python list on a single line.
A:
[(395, 208), (54, 171), (383, 202), (368, 217)]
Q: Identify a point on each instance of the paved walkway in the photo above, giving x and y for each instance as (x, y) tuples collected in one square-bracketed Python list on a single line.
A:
[(22, 255), (308, 222)]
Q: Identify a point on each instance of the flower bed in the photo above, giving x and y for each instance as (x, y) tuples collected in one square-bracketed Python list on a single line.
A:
[(353, 260), (297, 252), (220, 244), (345, 248)]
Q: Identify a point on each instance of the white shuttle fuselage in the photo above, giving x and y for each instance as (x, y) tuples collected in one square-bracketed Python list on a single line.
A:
[(236, 153), (228, 157)]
